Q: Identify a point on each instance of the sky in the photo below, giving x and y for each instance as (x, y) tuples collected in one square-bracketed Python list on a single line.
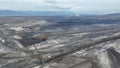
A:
[(78, 6)]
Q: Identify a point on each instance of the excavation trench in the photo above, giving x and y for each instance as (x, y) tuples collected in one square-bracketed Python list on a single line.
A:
[(82, 47)]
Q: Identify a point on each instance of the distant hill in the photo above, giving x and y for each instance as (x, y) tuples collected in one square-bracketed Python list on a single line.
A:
[(35, 13), (113, 14), (49, 13)]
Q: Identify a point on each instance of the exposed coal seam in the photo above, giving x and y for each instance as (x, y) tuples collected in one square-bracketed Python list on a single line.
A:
[(114, 56)]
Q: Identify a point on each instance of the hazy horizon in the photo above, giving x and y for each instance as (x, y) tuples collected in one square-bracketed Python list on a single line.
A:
[(75, 6)]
